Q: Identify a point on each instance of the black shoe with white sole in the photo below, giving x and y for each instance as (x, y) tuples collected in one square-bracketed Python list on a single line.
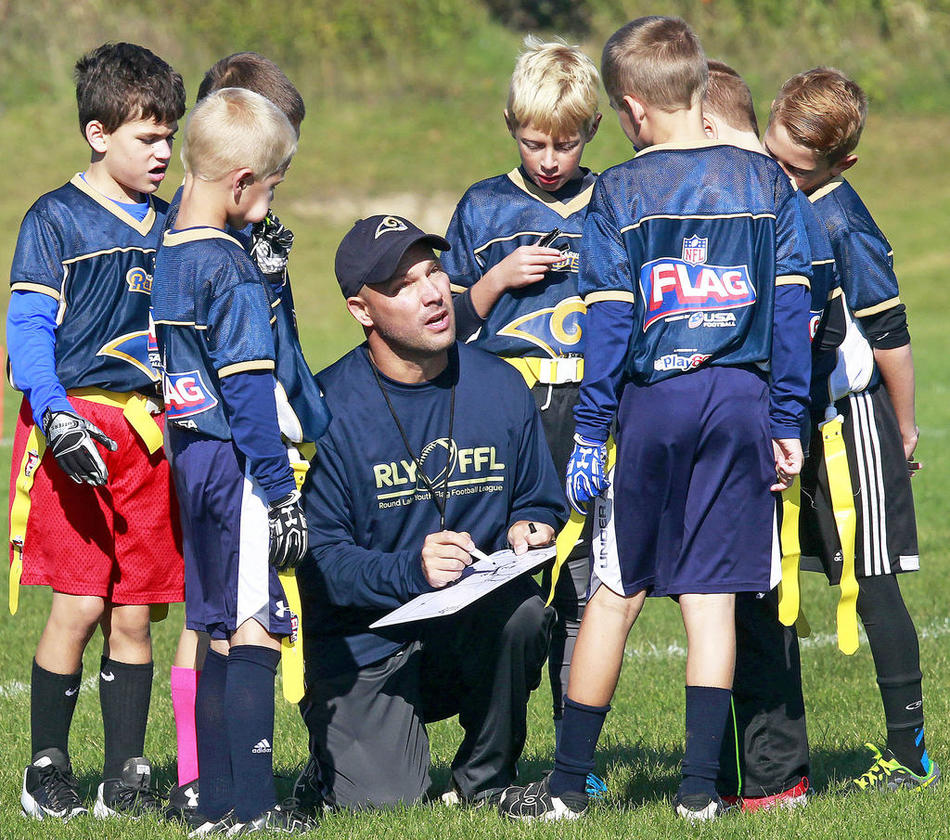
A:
[(50, 790)]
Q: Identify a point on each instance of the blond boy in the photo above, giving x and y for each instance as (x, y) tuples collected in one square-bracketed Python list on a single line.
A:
[(225, 377), (519, 299)]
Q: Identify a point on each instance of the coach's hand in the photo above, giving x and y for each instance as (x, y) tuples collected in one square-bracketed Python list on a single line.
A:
[(586, 472), (288, 532), (270, 247), (524, 535), (444, 557), (788, 461), (70, 437)]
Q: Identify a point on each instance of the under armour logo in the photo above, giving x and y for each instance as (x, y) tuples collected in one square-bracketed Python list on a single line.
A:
[(280, 609), (71, 691), (192, 796), (107, 677), (389, 224)]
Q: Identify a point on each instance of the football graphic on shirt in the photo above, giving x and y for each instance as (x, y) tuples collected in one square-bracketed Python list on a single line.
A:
[(451, 458)]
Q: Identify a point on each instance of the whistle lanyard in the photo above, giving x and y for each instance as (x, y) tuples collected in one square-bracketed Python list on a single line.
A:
[(439, 502)]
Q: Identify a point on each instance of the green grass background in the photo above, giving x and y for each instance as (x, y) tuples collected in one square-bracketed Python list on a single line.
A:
[(404, 113)]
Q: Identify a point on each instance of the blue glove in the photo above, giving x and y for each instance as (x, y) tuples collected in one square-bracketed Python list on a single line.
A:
[(586, 472)]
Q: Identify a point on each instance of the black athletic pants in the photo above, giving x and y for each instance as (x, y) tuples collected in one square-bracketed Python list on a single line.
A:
[(367, 727)]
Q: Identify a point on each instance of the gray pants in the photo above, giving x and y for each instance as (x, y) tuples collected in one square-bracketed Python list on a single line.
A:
[(367, 727)]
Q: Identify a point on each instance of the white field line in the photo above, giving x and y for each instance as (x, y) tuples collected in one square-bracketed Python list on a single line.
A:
[(933, 630), (16, 688)]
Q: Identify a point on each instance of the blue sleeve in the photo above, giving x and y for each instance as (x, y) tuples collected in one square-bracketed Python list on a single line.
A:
[(608, 334), (791, 361), (239, 315), (350, 575), (538, 493), (866, 267), (459, 262), (252, 415), (31, 337)]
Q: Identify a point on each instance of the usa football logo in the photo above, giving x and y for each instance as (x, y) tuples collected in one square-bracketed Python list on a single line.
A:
[(388, 225), (694, 250), (186, 394)]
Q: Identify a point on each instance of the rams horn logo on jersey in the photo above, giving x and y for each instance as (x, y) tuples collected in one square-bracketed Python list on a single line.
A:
[(389, 224), (139, 280), (186, 394), (694, 250), (133, 348), (558, 330)]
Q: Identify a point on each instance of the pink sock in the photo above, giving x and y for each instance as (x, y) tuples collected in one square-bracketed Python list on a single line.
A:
[(184, 691)]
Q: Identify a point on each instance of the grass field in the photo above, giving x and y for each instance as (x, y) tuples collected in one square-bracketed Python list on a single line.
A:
[(345, 168)]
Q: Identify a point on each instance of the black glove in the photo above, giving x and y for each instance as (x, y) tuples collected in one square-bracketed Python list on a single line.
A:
[(288, 532), (270, 246), (71, 439)]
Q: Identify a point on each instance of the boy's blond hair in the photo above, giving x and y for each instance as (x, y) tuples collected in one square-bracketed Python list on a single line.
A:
[(729, 98), (658, 60), (233, 128), (553, 88), (822, 110)]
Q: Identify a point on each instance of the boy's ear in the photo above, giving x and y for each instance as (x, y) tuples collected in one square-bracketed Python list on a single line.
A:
[(845, 163), (594, 126), (240, 180), (96, 136), (634, 108), (709, 126), (358, 309), (510, 123)]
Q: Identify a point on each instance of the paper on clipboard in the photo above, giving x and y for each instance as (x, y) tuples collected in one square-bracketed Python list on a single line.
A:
[(477, 580)]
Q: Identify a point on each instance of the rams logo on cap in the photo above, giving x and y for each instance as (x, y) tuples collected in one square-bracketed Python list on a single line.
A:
[(388, 225)]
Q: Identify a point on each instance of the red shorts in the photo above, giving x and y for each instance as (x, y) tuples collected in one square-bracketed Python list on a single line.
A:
[(121, 541)]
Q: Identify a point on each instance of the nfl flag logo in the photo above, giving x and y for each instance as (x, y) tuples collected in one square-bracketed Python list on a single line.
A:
[(694, 250)]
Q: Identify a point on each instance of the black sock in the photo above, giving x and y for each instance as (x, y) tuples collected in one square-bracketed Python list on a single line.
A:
[(574, 756), (52, 703), (216, 795), (125, 692), (707, 709), (892, 638), (249, 699)]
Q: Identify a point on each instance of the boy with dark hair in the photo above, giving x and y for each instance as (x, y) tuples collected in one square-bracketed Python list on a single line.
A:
[(814, 127), (98, 527), (241, 401), (694, 253), (517, 298), (270, 244)]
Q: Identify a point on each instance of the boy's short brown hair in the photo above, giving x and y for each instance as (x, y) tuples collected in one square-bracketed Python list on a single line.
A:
[(117, 83), (659, 60), (729, 98), (253, 71), (822, 110), (553, 88)]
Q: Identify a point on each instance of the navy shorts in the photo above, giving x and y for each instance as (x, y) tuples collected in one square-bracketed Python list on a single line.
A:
[(228, 578), (689, 508)]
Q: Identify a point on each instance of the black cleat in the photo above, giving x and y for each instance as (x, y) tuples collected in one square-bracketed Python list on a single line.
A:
[(50, 789), (130, 795)]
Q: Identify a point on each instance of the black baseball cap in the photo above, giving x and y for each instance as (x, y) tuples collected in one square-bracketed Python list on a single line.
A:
[(371, 251)]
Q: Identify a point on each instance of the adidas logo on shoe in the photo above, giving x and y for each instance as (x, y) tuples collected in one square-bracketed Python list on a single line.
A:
[(262, 746)]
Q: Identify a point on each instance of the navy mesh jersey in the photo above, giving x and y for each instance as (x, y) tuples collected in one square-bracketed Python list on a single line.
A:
[(97, 261), (696, 239), (215, 315), (495, 217)]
